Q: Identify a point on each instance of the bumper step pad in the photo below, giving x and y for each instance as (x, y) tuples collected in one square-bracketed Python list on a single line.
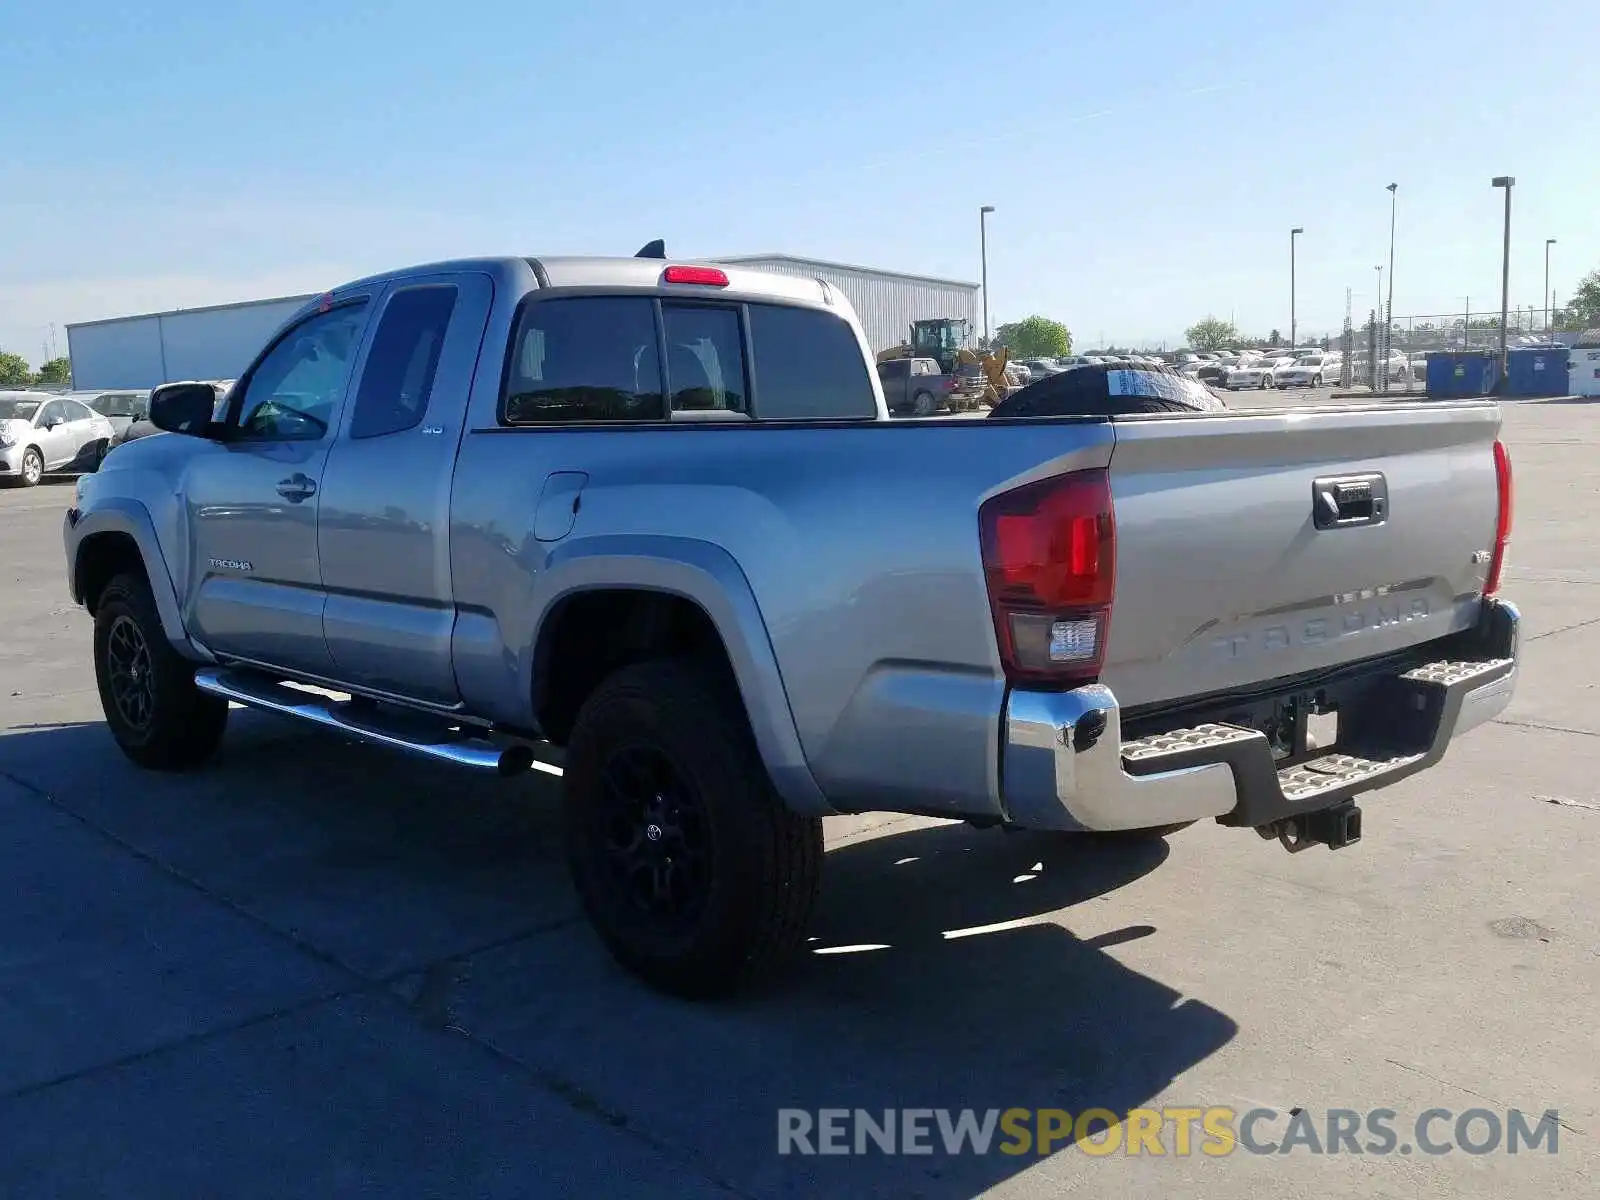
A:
[(1269, 794)]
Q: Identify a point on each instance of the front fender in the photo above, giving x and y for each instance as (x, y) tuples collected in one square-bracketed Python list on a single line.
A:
[(121, 516), (708, 576)]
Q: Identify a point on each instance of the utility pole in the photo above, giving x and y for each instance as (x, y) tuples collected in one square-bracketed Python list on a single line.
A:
[(1293, 233), (1507, 182), (1388, 307), (1549, 305), (983, 255)]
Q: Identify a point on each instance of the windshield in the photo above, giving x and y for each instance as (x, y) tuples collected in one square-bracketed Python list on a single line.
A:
[(939, 336), (14, 408)]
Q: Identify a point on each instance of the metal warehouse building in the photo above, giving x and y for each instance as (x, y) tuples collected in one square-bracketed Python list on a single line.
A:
[(219, 342), (190, 343), (886, 301)]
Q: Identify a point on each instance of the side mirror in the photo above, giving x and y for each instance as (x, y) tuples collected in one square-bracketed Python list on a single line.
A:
[(183, 408)]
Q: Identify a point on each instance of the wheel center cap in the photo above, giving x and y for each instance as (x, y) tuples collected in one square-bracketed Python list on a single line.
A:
[(653, 832)]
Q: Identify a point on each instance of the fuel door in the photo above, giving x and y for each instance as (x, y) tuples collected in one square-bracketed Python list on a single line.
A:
[(558, 505)]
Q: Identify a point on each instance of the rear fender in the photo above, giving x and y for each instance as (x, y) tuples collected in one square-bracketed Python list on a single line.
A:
[(708, 576)]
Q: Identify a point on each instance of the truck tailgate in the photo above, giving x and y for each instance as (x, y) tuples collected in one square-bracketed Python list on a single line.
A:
[(1226, 576)]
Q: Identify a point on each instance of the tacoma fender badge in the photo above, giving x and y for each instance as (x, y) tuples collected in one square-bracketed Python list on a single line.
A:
[(230, 564)]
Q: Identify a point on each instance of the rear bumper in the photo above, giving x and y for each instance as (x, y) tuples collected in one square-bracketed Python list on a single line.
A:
[(1066, 766)]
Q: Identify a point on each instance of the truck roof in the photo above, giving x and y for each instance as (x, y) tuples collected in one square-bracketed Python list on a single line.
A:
[(608, 272)]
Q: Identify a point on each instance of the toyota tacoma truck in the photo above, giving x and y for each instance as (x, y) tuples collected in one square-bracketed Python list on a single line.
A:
[(653, 513)]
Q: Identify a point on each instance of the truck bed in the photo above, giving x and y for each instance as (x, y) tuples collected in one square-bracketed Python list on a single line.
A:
[(859, 545)]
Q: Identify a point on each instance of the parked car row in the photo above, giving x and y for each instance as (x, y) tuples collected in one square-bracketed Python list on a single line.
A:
[(44, 433)]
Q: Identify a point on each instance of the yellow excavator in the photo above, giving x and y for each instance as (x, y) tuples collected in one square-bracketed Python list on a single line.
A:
[(948, 341)]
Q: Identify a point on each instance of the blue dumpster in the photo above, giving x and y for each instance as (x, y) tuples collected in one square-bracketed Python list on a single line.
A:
[(1537, 371), (1460, 373)]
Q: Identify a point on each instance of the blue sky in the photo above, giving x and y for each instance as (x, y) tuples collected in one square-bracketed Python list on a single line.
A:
[(1146, 160)]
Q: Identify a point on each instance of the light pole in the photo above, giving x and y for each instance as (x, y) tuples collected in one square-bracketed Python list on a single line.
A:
[(1293, 233), (1375, 337), (1388, 307), (1507, 182), (1549, 301), (983, 255)]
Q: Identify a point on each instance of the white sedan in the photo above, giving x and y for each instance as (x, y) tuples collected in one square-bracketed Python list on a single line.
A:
[(1303, 372), (1257, 373)]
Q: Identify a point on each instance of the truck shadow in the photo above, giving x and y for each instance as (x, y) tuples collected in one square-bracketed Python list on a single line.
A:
[(945, 971)]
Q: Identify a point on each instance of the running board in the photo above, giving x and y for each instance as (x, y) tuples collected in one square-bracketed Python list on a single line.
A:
[(427, 737)]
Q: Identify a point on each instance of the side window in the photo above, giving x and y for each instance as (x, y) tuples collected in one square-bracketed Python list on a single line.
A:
[(705, 359), (398, 377), (587, 358), (808, 364), (53, 414), (294, 391), (78, 412), (897, 368), (922, 367)]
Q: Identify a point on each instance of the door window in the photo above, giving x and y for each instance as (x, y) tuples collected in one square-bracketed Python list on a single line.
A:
[(705, 359), (53, 413), (587, 358), (294, 392), (76, 411), (809, 364), (398, 377)]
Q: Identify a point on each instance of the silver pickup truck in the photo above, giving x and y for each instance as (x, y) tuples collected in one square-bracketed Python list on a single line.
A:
[(655, 514)]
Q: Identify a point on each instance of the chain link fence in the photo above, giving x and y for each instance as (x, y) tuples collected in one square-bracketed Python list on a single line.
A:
[(1403, 342)]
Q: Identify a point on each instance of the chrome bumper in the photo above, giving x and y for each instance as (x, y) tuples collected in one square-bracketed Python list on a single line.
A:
[(1065, 764)]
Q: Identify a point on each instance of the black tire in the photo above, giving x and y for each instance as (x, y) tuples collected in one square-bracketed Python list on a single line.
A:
[(31, 470), (661, 759), (158, 717), (923, 405)]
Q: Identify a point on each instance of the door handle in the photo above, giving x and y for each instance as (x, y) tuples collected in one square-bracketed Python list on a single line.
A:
[(1350, 500), (297, 487)]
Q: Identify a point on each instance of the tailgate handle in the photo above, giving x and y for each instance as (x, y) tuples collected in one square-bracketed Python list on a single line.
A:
[(1338, 502)]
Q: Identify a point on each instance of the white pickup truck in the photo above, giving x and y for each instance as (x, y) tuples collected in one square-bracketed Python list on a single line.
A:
[(655, 513)]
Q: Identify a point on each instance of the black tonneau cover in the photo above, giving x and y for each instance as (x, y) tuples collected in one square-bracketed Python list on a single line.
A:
[(1110, 389)]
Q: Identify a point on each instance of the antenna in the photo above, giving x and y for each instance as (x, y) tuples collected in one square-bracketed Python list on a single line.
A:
[(655, 249)]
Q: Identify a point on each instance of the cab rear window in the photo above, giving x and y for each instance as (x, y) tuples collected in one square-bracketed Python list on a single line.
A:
[(634, 358)]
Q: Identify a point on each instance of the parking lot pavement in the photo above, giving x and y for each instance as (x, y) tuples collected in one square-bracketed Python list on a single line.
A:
[(318, 969)]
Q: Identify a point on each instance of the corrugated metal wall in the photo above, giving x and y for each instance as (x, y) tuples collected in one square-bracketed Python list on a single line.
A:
[(887, 303), (199, 343), (219, 342)]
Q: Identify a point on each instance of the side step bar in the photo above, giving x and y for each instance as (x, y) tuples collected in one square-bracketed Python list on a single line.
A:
[(419, 735)]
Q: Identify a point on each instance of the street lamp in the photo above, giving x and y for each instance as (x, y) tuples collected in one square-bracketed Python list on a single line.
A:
[(1388, 313), (1293, 233), (1508, 182), (983, 254), (1549, 300)]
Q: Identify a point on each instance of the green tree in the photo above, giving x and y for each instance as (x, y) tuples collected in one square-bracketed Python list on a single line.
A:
[(1209, 333), (1583, 310), (1035, 337), (14, 370), (1274, 338), (56, 371)]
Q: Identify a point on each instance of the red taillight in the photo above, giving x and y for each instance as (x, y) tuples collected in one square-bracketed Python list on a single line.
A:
[(1502, 520), (1050, 562), (950, 383), (705, 276)]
